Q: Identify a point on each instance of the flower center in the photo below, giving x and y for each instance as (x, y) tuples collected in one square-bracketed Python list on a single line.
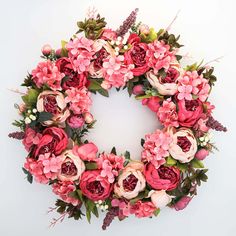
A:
[(171, 76), (184, 143), (191, 105), (101, 55), (95, 187), (68, 168), (48, 147), (166, 173), (50, 104), (138, 56), (130, 183)]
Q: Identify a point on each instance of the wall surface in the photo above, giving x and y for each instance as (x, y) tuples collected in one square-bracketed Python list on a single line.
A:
[(207, 28)]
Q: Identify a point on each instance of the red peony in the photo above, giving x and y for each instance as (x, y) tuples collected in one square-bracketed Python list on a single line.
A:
[(163, 178), (54, 140), (189, 112), (137, 55), (94, 187)]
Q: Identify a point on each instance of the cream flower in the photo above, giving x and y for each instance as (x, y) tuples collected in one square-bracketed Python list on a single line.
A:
[(160, 198)]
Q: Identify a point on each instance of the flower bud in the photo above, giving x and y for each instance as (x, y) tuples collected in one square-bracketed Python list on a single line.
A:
[(144, 29), (88, 117), (182, 203), (46, 49), (138, 89), (202, 154), (58, 53)]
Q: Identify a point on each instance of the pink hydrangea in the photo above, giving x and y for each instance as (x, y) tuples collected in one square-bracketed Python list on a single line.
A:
[(63, 190), (143, 209), (47, 73), (191, 83), (78, 99), (115, 72), (156, 148), (31, 138), (110, 165), (124, 207), (159, 56), (167, 114), (81, 52)]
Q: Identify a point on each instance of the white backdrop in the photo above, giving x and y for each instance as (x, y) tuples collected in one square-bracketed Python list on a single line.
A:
[(207, 28)]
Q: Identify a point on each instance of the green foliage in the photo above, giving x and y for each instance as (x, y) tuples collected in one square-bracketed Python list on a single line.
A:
[(28, 82), (157, 212), (20, 124), (44, 116), (29, 175), (210, 77), (91, 165), (90, 209), (95, 86), (134, 27), (170, 39), (64, 51), (195, 163), (170, 161), (30, 98), (149, 38), (113, 151), (140, 196)]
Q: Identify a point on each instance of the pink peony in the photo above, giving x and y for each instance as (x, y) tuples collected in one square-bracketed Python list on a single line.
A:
[(47, 73), (86, 152), (63, 190), (156, 148), (182, 203), (160, 198), (79, 100), (143, 209), (153, 103), (31, 138), (167, 114), (159, 56), (115, 72)]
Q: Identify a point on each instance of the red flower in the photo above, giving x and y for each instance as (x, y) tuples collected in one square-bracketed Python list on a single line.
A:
[(137, 55), (163, 178), (73, 78), (153, 103), (54, 140), (94, 187), (189, 112)]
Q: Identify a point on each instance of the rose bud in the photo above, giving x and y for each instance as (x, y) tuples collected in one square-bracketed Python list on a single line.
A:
[(138, 89), (160, 198), (58, 53), (182, 203), (86, 152), (144, 29), (202, 154), (46, 49), (88, 117)]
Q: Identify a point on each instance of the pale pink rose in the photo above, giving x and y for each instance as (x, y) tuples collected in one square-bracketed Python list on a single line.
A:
[(54, 103), (71, 166), (163, 86), (160, 198), (86, 152), (183, 146), (182, 203), (88, 117), (131, 181), (202, 154)]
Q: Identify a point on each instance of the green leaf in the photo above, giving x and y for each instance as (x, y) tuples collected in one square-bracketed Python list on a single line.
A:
[(170, 161), (182, 167), (127, 155), (142, 142), (94, 85), (196, 163), (113, 151), (103, 92), (91, 165), (29, 175), (64, 51), (157, 212), (44, 116), (30, 99), (88, 215)]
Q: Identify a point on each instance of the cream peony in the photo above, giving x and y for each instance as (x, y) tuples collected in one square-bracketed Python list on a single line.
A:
[(160, 198)]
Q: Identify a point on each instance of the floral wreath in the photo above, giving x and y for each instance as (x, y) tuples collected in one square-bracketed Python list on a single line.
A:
[(56, 117)]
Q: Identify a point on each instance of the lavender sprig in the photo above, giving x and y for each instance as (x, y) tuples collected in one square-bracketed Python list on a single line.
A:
[(216, 125), (111, 214), (17, 135), (127, 24)]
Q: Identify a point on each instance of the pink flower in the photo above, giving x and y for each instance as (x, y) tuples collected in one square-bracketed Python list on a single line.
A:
[(201, 126), (159, 198), (153, 103), (47, 73), (185, 92), (86, 152), (167, 114), (115, 72), (75, 121), (31, 138), (110, 164), (78, 99), (124, 207), (182, 203), (63, 190), (46, 49), (88, 117), (156, 148), (202, 154), (143, 209), (138, 90), (159, 56), (108, 34)]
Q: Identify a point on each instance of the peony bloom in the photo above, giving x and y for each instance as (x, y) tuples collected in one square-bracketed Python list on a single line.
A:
[(79, 100), (159, 56), (63, 190), (156, 148), (189, 111), (54, 103), (54, 140), (73, 78), (115, 72), (47, 73), (71, 166), (167, 114), (153, 103), (75, 121), (131, 181), (86, 152), (136, 55), (202, 154), (162, 178), (167, 85), (31, 138), (143, 209), (182, 203), (183, 146), (160, 198), (94, 187)]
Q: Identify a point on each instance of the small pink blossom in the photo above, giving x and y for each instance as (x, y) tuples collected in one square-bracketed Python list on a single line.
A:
[(31, 138), (78, 99), (156, 148), (185, 92), (47, 73), (143, 209)]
